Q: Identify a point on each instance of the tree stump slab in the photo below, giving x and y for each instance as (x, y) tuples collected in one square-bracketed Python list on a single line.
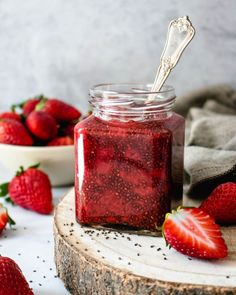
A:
[(99, 261)]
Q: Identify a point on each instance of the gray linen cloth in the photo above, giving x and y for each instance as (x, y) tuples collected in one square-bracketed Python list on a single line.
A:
[(210, 152)]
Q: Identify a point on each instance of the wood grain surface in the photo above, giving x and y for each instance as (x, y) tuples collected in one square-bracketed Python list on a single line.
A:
[(93, 261)]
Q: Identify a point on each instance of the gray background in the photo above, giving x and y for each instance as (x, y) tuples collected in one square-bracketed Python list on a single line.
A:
[(61, 48)]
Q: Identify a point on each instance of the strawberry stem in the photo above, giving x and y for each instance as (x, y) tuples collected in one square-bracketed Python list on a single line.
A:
[(9, 200), (41, 104), (35, 166), (21, 104), (20, 171), (10, 220)]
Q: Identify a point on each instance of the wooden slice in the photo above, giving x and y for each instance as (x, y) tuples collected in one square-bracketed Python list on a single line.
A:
[(93, 261)]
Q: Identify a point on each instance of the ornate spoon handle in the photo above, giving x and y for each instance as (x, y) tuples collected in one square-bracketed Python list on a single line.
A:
[(180, 33)]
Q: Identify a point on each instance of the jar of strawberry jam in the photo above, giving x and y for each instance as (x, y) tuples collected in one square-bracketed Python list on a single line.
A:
[(129, 157)]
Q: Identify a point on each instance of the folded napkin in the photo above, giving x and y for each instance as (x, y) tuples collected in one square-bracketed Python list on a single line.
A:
[(210, 153)]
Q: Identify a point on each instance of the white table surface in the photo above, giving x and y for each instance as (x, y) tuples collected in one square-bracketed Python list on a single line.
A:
[(30, 243)]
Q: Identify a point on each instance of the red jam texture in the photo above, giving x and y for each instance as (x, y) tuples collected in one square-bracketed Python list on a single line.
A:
[(123, 173)]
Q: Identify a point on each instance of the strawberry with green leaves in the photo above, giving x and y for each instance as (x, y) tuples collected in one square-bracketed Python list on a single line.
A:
[(193, 232), (30, 189), (12, 280)]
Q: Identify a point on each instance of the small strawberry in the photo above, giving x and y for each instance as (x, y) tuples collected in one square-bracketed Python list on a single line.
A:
[(41, 125), (61, 111), (12, 280), (5, 218), (65, 140), (30, 189), (10, 115), (221, 204), (193, 232), (13, 132)]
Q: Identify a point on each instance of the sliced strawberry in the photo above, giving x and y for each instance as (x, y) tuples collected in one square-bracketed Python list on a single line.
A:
[(221, 204), (193, 232), (5, 218)]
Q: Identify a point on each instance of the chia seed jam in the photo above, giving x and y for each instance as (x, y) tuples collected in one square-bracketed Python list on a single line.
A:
[(129, 160)]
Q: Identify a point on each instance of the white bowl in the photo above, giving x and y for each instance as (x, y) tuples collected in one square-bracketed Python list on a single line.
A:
[(57, 162)]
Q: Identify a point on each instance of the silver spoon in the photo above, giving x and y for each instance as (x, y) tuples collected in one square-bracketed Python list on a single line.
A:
[(180, 33)]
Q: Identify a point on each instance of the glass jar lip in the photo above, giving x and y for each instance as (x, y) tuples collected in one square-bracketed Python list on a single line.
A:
[(100, 88)]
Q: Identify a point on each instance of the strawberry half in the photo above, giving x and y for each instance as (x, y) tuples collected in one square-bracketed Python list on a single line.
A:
[(5, 218), (221, 204), (12, 279), (30, 189), (193, 232)]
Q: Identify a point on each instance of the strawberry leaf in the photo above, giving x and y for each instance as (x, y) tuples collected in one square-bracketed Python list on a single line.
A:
[(20, 171), (4, 189), (35, 166)]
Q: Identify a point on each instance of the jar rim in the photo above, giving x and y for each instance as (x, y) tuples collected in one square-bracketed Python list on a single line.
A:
[(101, 89)]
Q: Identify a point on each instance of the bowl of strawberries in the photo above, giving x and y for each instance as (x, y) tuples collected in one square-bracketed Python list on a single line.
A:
[(40, 130)]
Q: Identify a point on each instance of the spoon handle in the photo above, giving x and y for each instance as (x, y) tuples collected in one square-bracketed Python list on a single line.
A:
[(180, 33)]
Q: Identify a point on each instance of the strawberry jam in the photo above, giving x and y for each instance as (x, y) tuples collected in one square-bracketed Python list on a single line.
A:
[(129, 160)]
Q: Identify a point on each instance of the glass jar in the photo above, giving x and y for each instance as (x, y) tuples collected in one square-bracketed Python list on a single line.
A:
[(129, 157)]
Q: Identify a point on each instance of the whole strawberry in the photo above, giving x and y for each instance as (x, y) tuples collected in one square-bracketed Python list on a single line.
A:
[(61, 111), (5, 218), (13, 132), (221, 204), (41, 125), (10, 115), (31, 189), (65, 140), (12, 280), (193, 232)]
